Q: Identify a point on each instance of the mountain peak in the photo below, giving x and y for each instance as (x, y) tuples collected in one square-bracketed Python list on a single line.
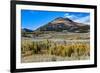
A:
[(63, 19), (60, 24)]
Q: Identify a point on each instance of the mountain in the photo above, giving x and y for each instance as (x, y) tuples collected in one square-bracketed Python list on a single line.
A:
[(26, 30), (64, 24)]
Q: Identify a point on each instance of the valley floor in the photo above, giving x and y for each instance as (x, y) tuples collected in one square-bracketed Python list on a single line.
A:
[(59, 47), (50, 58)]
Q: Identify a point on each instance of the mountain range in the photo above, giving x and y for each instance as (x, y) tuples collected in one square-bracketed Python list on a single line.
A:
[(61, 24)]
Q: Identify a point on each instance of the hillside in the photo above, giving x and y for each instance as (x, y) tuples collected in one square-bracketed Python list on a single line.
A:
[(64, 24)]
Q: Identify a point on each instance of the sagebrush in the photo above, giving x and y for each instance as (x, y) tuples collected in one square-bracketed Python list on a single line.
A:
[(52, 48)]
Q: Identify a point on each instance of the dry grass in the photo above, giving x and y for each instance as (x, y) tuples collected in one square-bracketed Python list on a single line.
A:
[(48, 47)]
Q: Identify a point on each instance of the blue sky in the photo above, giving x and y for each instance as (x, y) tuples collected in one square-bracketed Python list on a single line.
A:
[(33, 19)]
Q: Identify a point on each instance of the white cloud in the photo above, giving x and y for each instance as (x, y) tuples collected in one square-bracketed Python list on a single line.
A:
[(71, 16), (67, 14), (85, 20), (78, 18)]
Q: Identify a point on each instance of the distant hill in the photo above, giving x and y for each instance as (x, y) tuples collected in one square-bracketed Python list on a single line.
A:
[(64, 24), (26, 30)]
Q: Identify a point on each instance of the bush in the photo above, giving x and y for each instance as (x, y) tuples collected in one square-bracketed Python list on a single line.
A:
[(53, 48)]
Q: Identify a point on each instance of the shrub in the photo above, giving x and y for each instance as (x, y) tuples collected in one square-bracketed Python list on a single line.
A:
[(53, 48)]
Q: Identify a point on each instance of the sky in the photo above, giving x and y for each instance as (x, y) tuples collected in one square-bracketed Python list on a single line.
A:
[(33, 19)]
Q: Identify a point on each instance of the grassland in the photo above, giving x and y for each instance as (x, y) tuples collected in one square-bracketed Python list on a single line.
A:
[(55, 47)]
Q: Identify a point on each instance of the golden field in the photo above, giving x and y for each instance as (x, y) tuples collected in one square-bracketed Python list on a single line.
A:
[(45, 49)]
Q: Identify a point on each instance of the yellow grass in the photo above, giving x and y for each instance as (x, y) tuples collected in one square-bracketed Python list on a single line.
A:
[(52, 48)]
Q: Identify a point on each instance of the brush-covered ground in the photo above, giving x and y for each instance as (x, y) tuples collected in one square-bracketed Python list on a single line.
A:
[(55, 46)]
